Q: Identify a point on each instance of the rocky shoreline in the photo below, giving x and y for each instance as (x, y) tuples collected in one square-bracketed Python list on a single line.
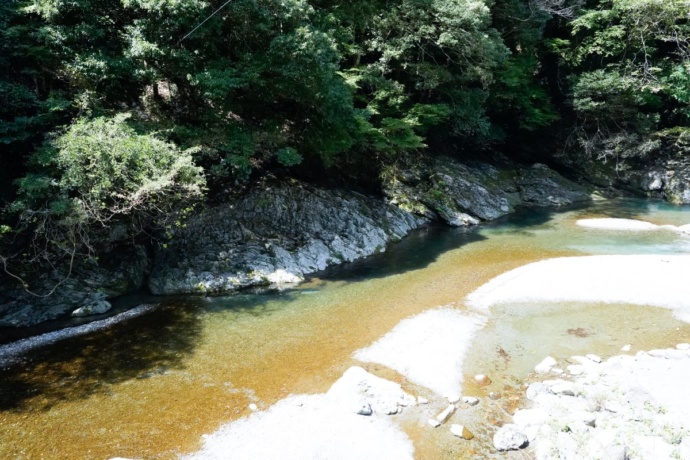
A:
[(626, 407), (276, 234)]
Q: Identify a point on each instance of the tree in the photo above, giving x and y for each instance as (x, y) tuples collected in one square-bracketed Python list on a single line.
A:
[(95, 174), (630, 65)]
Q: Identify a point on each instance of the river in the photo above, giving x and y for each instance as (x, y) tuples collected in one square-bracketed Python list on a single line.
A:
[(152, 386)]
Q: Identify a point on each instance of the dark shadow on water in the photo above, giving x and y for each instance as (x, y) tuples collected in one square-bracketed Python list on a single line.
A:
[(76, 368), (422, 247)]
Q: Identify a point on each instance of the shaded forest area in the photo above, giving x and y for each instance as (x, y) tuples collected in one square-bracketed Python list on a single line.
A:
[(117, 116)]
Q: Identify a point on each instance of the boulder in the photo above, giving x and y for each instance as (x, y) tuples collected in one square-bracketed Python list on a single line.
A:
[(509, 437)]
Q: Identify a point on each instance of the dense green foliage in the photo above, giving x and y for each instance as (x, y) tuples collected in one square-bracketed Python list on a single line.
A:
[(114, 108), (629, 62)]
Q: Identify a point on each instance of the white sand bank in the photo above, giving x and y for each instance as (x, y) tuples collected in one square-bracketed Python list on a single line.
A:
[(323, 426), (608, 223), (632, 225), (429, 349), (654, 280)]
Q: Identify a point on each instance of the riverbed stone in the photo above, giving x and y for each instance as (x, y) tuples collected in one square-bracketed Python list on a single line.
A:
[(535, 389), (470, 400), (97, 308), (509, 437), (575, 369), (545, 365), (482, 380), (461, 432), (564, 388), (433, 422), (446, 413), (527, 418), (365, 409)]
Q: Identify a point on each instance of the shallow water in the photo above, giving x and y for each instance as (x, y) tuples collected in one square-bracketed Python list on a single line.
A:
[(150, 387)]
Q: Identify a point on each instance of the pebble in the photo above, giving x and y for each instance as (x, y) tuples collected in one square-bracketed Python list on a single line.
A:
[(565, 389), (546, 365), (626, 347), (447, 412), (461, 432), (453, 398), (482, 380), (253, 407), (494, 395), (535, 389), (365, 409), (422, 400), (433, 422), (471, 400), (509, 437), (558, 371)]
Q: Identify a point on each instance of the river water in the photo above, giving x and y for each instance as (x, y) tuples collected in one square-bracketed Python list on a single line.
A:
[(151, 386)]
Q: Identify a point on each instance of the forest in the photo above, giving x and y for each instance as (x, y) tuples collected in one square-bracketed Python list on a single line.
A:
[(134, 111)]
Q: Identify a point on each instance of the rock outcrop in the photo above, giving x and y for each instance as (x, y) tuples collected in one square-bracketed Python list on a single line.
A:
[(275, 235), (84, 292), (467, 194), (669, 180)]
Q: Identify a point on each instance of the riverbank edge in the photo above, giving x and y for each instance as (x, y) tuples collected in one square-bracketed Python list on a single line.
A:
[(277, 234)]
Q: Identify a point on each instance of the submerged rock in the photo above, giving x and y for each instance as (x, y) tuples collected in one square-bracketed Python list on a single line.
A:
[(96, 308)]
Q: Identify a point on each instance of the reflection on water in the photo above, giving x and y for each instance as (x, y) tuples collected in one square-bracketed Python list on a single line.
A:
[(77, 368), (151, 386)]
